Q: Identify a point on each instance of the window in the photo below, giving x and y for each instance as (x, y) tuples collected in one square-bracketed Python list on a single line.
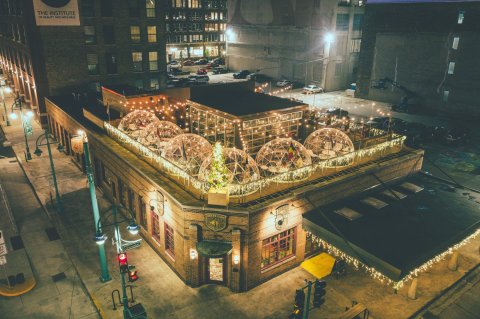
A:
[(137, 60), (169, 240), (121, 193), (455, 43), (106, 8), (179, 3), (451, 67), (135, 33), (150, 6), (278, 248), (461, 16), (316, 4), (445, 95), (194, 4), (153, 61), (152, 34), (111, 62), (357, 22), (355, 45), (342, 22), (88, 8), (154, 84), (108, 34), (133, 8), (338, 69), (143, 212), (90, 36), (92, 64), (138, 84), (155, 226), (131, 196)]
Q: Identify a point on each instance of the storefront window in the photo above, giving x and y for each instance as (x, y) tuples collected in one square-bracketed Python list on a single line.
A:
[(312, 244), (169, 241), (143, 212), (278, 248), (155, 226)]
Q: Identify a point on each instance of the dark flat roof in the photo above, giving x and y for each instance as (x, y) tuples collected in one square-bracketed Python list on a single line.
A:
[(242, 102), (407, 232)]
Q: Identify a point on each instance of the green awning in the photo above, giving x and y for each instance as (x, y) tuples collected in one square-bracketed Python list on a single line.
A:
[(214, 248)]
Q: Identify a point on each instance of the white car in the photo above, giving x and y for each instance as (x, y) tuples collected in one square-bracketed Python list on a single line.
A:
[(283, 83), (312, 89)]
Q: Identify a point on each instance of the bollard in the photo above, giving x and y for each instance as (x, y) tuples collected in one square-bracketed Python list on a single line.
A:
[(453, 263), (412, 291)]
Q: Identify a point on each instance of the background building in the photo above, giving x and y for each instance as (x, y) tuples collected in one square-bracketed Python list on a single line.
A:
[(298, 40), (102, 42), (429, 50), (196, 28)]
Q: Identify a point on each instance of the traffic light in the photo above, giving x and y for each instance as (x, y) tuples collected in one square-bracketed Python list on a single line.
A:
[(319, 292), (123, 262), (298, 305)]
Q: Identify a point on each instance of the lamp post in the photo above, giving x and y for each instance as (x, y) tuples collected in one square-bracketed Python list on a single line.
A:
[(47, 136), (105, 276), (27, 127), (8, 90)]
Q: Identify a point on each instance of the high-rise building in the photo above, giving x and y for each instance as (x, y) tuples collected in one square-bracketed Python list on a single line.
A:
[(196, 28), (78, 45), (305, 41), (422, 54)]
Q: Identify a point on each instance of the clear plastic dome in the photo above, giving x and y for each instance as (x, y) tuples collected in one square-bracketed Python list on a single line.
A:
[(135, 121), (241, 167), (156, 134), (282, 155), (328, 143), (187, 151)]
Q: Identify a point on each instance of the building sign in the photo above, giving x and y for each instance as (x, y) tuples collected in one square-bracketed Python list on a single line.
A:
[(56, 12), (215, 222)]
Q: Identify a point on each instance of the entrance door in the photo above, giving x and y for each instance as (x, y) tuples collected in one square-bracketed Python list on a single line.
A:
[(216, 270)]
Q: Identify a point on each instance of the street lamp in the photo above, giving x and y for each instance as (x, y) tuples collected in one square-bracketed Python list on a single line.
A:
[(27, 126), (47, 136), (7, 90)]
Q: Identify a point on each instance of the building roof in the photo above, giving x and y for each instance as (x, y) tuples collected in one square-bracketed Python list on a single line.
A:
[(405, 233), (240, 102)]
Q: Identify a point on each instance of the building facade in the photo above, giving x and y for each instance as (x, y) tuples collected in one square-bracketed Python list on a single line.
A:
[(111, 42), (195, 28), (305, 41), (259, 233), (422, 54)]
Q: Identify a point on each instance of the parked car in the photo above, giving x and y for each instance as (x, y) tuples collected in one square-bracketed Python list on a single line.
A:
[(201, 62), (338, 112), (197, 79), (173, 62), (188, 63), (212, 64), (312, 89), (219, 61), (283, 83), (219, 70), (242, 74), (202, 71), (180, 82), (258, 77), (377, 122)]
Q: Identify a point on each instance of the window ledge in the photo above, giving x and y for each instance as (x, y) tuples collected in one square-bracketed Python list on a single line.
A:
[(169, 254), (278, 264)]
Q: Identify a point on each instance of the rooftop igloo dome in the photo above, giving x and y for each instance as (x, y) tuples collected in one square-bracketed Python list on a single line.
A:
[(187, 151)]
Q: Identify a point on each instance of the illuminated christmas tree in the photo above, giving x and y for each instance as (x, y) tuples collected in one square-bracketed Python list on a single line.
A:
[(218, 176)]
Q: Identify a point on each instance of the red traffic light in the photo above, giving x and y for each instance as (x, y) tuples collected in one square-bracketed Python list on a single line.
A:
[(122, 259)]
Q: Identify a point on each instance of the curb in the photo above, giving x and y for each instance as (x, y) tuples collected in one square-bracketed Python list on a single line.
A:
[(53, 218)]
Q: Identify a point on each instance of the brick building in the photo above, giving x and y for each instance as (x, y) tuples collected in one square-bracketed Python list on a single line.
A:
[(258, 231), (111, 42), (423, 52)]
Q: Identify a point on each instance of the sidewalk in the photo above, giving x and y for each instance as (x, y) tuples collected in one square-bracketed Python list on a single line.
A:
[(164, 295)]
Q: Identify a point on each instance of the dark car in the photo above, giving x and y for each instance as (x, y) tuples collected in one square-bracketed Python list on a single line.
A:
[(202, 71), (258, 77), (378, 122), (212, 64), (242, 74), (201, 62), (219, 70), (219, 61), (173, 63), (188, 63)]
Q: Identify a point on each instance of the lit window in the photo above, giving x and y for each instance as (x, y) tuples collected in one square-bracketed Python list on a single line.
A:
[(461, 17), (152, 34), (451, 67), (90, 34), (137, 61), (445, 95), (150, 5), (135, 33), (154, 84), (278, 248), (92, 64), (455, 43), (169, 240), (153, 60)]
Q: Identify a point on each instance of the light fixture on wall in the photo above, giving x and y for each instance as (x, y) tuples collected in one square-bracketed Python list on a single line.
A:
[(193, 254), (236, 259)]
